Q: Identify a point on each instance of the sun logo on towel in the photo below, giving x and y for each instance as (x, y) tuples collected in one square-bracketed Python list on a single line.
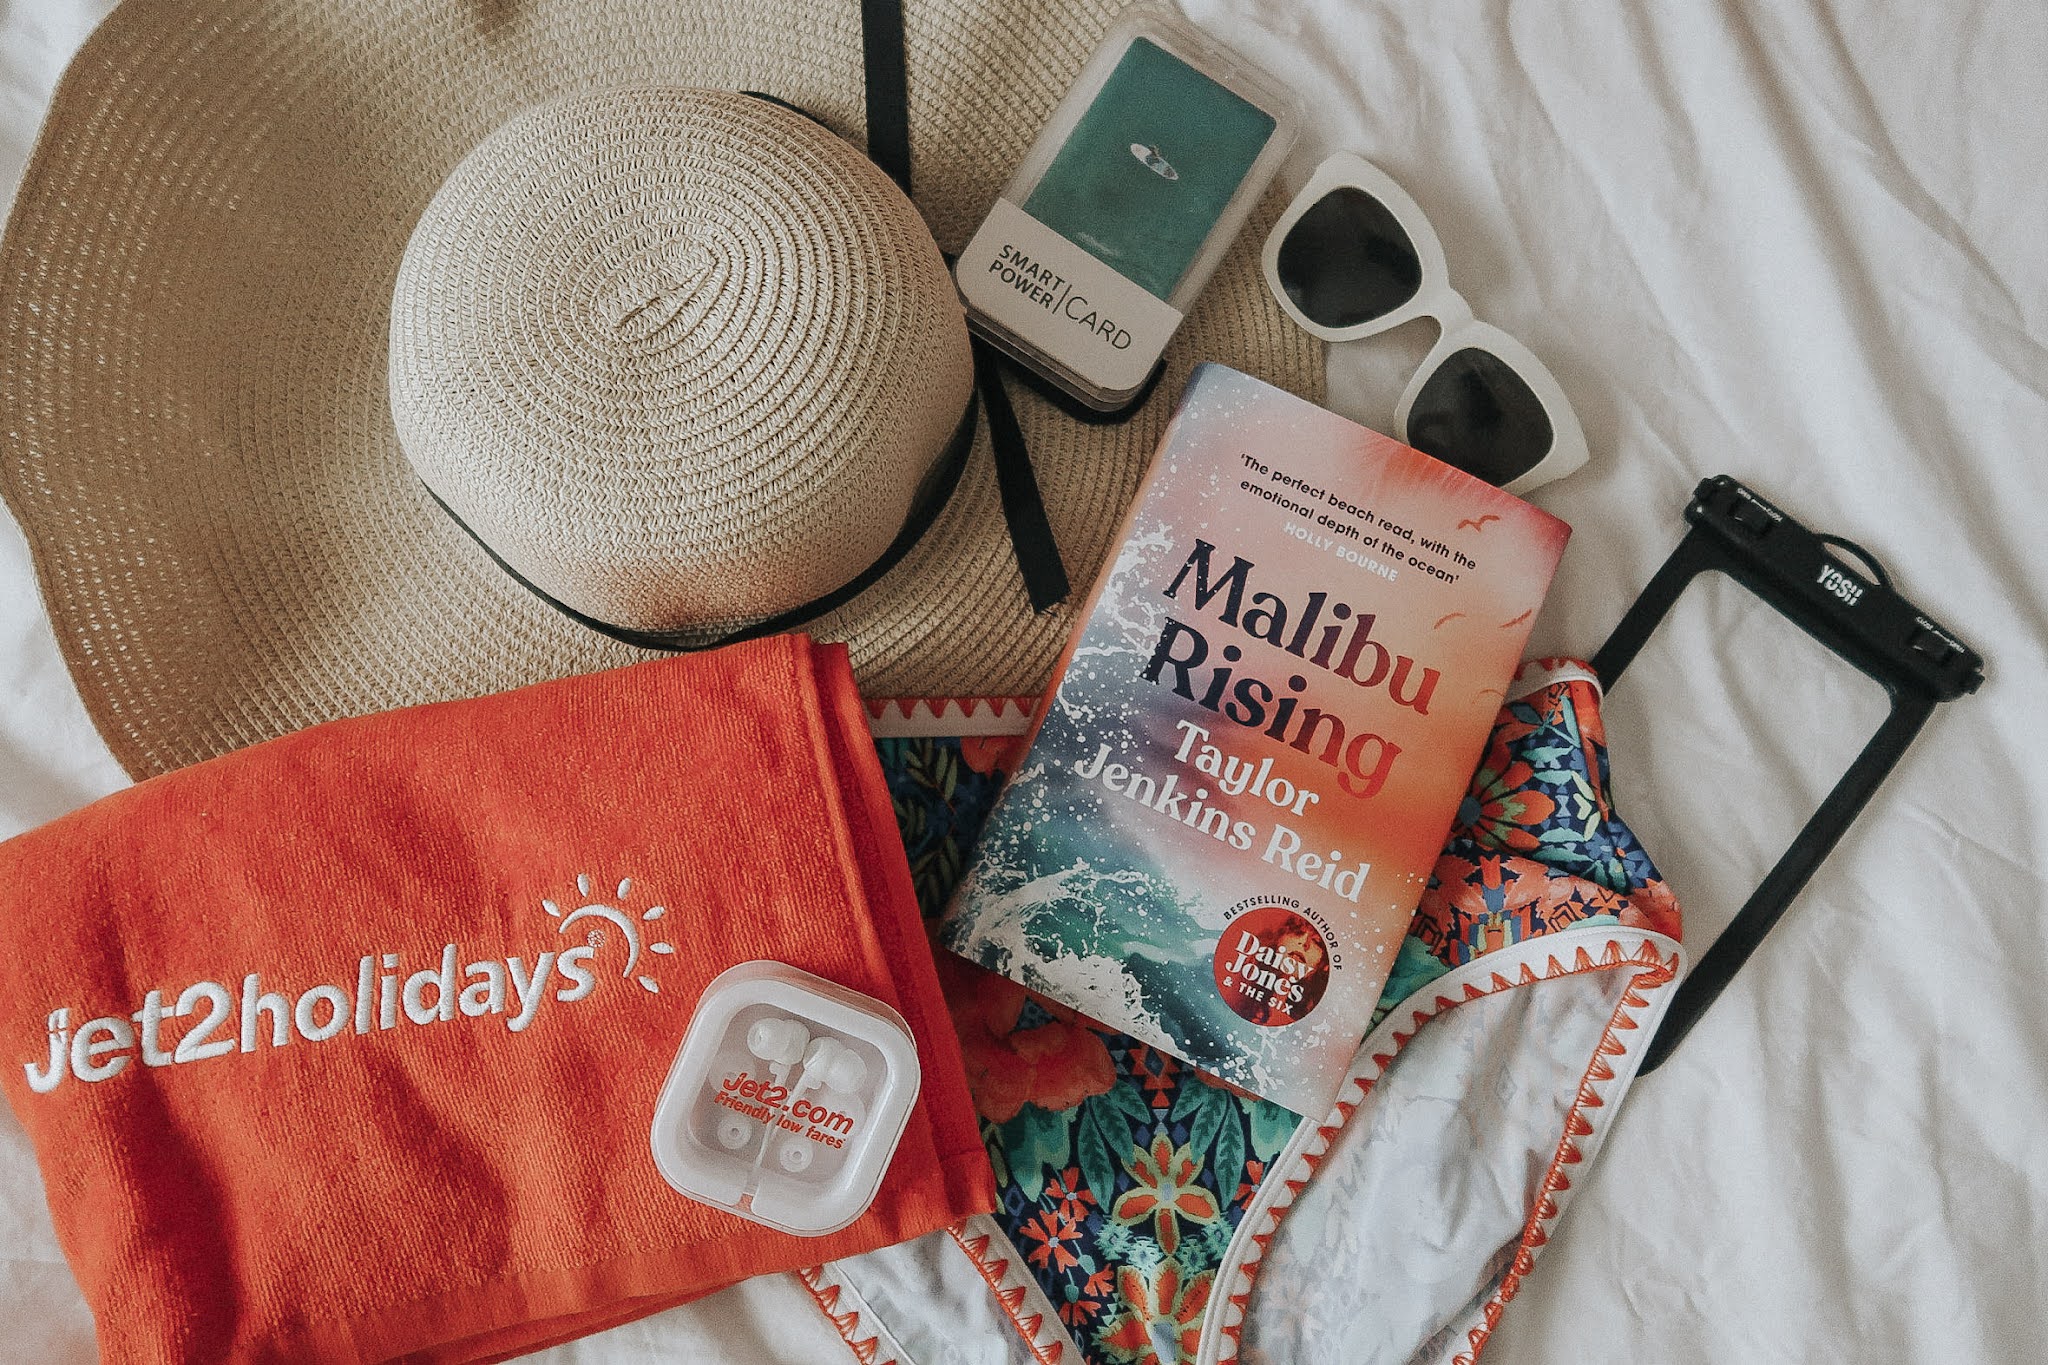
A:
[(618, 918)]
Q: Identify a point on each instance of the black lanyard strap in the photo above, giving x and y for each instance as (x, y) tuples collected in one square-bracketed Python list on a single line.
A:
[(888, 103), (888, 85)]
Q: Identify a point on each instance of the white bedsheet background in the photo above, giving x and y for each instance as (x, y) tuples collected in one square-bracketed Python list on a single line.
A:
[(1801, 244)]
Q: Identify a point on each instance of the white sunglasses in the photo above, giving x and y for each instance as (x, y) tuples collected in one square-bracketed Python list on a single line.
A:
[(1353, 256)]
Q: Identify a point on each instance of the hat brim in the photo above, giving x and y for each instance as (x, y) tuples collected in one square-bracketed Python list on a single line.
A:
[(194, 297)]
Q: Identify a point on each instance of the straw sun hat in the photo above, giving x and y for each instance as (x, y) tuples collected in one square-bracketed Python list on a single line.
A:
[(304, 304)]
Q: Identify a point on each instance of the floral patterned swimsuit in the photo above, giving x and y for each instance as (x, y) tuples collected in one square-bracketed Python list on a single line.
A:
[(1151, 1215)]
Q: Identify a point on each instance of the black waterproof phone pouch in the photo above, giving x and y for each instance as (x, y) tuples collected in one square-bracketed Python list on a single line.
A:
[(1853, 610)]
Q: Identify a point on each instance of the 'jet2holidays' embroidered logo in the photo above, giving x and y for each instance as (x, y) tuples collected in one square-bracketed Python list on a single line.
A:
[(383, 995)]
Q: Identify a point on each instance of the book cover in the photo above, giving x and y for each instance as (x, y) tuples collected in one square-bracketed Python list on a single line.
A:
[(1257, 739)]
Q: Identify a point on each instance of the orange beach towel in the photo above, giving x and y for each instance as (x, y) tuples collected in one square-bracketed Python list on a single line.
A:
[(345, 1047)]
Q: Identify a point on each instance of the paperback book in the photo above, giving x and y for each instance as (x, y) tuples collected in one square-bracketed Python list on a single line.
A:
[(1258, 738)]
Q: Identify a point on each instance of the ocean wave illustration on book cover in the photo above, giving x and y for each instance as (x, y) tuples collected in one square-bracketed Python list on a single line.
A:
[(1075, 907)]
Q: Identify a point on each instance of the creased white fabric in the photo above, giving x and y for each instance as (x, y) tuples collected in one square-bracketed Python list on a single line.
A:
[(1801, 244)]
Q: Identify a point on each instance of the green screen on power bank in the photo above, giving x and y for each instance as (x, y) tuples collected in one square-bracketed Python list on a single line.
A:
[(1148, 169)]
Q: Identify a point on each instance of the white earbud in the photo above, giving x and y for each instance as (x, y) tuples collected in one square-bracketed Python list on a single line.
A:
[(735, 1132), (796, 1155), (834, 1065), (780, 1042)]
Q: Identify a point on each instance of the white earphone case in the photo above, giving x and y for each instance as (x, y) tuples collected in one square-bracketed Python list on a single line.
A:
[(786, 1100)]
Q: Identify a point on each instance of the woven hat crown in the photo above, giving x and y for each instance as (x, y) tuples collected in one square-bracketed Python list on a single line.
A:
[(678, 357)]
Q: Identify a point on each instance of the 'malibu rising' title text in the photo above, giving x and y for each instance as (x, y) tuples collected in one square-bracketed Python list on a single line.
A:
[(1362, 759)]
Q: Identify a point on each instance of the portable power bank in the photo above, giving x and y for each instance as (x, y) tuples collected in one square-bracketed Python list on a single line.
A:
[(1121, 211)]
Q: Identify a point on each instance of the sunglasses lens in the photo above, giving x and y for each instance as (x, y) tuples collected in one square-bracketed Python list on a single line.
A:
[(1476, 413), (1346, 261)]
